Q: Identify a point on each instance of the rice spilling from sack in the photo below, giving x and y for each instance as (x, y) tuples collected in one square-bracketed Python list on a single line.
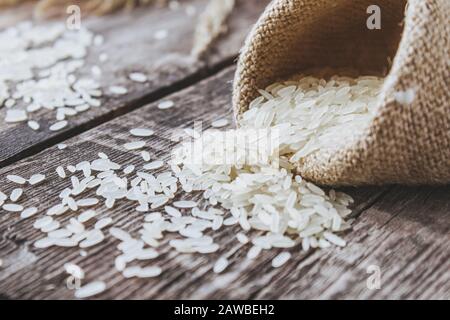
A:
[(246, 176), (250, 170)]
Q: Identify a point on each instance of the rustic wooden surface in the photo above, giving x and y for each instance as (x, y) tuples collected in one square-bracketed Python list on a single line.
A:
[(131, 47), (404, 231)]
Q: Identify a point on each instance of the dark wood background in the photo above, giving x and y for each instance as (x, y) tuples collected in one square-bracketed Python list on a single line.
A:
[(403, 230)]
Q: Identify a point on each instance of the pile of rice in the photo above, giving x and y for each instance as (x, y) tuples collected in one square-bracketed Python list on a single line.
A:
[(290, 121), (43, 75), (246, 176)]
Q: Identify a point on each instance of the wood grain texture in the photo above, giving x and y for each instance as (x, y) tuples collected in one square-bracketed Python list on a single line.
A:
[(403, 231), (131, 46)]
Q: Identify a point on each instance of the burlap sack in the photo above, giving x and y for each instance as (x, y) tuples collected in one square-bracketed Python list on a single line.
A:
[(404, 144)]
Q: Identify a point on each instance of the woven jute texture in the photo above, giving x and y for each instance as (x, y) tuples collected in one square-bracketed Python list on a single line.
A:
[(408, 144)]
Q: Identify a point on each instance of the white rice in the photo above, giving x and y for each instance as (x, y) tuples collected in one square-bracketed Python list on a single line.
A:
[(141, 132), (118, 90), (102, 223), (44, 243), (102, 155), (145, 155), (98, 40), (90, 289), (253, 252), (154, 165), (161, 34), (128, 169), (103, 57), (220, 265), (280, 259), (12, 207), (137, 77), (120, 234), (59, 234), (172, 211), (41, 222), (405, 98), (64, 242), (16, 179), (15, 115), (28, 212), (87, 202), (147, 254), (60, 171), (74, 270), (15, 194), (86, 216), (10, 103), (135, 145), (148, 272), (268, 195), (46, 75), (242, 238), (36, 178), (166, 104), (96, 71), (185, 204), (334, 239), (33, 124), (265, 195), (54, 225), (220, 123), (58, 125)]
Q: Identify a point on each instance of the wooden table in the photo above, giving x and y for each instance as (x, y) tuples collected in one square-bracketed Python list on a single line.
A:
[(404, 231)]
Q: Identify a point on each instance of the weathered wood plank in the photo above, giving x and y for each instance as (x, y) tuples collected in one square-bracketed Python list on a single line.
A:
[(185, 276), (11, 16), (131, 46)]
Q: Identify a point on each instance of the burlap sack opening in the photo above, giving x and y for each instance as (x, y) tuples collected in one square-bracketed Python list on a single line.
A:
[(404, 144)]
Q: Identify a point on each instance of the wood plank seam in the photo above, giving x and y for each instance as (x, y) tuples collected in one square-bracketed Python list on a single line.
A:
[(357, 213)]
